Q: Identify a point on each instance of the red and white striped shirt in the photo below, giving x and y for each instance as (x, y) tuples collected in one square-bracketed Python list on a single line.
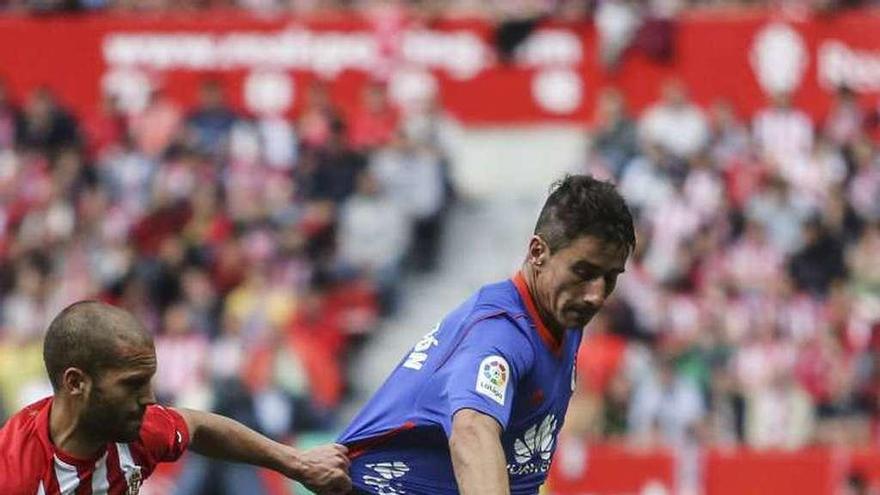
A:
[(30, 464)]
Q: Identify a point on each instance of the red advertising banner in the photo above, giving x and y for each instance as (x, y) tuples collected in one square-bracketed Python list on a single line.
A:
[(771, 473), (610, 470), (601, 469), (555, 75)]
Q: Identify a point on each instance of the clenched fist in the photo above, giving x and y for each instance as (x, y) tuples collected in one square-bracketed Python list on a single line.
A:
[(324, 470)]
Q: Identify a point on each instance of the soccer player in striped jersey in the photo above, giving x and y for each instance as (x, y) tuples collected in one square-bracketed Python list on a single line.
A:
[(102, 431)]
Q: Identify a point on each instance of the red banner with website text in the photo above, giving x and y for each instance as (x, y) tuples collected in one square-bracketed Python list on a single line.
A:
[(267, 63), (601, 469)]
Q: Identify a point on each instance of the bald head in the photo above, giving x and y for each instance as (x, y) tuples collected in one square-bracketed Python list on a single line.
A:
[(93, 337)]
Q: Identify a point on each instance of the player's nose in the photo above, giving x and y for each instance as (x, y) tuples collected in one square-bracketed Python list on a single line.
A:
[(149, 397), (594, 292)]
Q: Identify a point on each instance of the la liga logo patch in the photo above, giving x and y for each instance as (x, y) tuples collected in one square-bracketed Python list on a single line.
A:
[(492, 377)]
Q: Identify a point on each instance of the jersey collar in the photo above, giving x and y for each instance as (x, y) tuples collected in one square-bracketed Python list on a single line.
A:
[(42, 426), (552, 343)]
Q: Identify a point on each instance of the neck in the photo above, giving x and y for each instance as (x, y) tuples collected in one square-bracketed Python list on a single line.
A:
[(65, 431), (530, 276)]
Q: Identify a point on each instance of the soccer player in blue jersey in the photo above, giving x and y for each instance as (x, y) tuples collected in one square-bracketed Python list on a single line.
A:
[(476, 405)]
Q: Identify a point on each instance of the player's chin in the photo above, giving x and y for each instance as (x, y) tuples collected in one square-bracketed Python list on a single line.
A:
[(577, 319), (131, 431)]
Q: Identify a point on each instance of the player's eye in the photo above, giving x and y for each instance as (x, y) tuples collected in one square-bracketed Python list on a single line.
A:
[(610, 281), (586, 274), (135, 382)]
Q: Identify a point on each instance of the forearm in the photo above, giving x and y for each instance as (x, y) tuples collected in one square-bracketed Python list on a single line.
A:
[(479, 462), (219, 437)]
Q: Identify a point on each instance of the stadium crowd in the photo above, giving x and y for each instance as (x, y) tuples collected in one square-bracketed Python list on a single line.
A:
[(750, 311), (495, 9), (260, 252)]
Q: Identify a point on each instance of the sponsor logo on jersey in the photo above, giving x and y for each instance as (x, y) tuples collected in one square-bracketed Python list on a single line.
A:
[(532, 452), (386, 476), (492, 377), (419, 354)]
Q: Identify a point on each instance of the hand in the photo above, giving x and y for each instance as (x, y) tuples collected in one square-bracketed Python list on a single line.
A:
[(325, 470)]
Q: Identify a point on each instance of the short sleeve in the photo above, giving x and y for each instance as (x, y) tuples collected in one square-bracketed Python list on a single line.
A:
[(485, 369), (164, 434)]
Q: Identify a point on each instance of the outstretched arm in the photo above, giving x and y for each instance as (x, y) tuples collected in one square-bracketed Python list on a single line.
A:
[(477, 455), (323, 470)]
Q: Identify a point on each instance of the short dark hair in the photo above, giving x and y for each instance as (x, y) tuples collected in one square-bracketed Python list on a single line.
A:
[(580, 205), (87, 335)]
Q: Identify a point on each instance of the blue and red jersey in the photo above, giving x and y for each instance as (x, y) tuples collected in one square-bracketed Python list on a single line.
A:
[(492, 354)]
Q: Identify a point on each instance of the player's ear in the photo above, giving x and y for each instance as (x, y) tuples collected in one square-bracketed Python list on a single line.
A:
[(75, 382), (539, 251)]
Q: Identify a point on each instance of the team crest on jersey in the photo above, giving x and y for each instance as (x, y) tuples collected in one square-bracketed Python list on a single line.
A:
[(385, 477), (533, 451), (134, 482), (492, 377)]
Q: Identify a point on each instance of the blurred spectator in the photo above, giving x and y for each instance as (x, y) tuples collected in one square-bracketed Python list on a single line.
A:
[(820, 261), (330, 172), (675, 123), (616, 24), (46, 125), (10, 120), (156, 126), (862, 263), (646, 182), (668, 409), (374, 236), (317, 117), (864, 187), (780, 415), (780, 213), (184, 353), (783, 135), (412, 176), (729, 137), (374, 123), (845, 120), (105, 128), (211, 121), (614, 131)]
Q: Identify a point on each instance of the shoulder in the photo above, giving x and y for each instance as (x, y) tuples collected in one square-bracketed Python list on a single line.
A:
[(498, 298), (21, 429), (23, 457), (162, 422), (164, 435), (499, 335)]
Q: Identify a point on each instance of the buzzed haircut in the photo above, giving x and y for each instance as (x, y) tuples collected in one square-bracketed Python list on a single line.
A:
[(88, 335), (580, 205)]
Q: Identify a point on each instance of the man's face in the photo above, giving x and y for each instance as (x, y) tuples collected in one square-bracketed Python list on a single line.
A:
[(119, 397), (574, 281)]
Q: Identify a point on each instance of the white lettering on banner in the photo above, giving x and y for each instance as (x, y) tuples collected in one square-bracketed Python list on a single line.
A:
[(419, 354), (551, 47), (268, 92), (779, 58), (557, 91), (460, 53), (840, 64)]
